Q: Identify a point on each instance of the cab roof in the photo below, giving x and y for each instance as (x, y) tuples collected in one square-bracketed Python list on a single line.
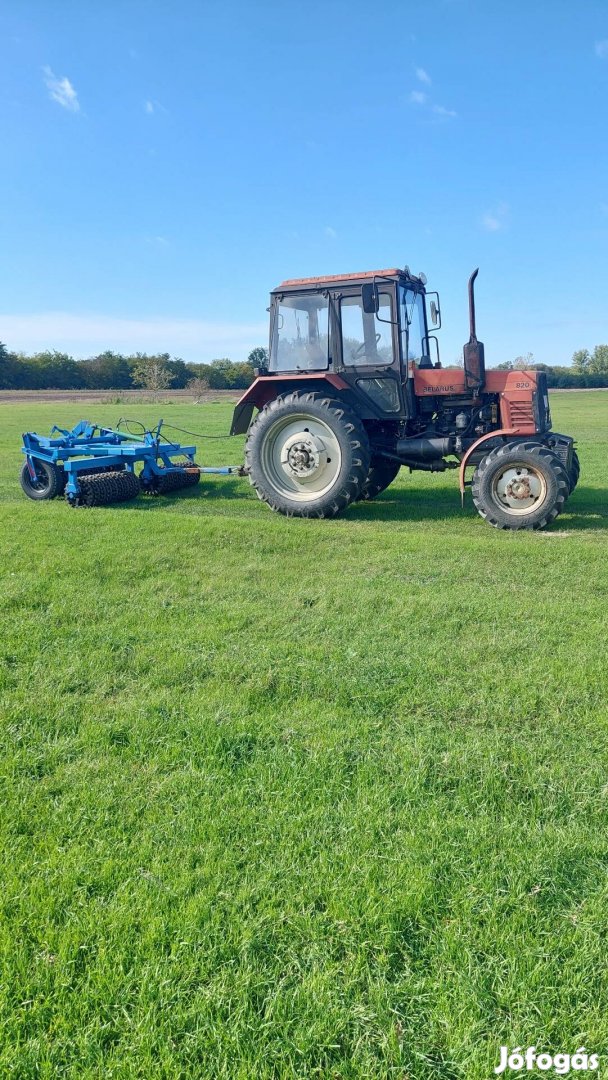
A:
[(292, 283)]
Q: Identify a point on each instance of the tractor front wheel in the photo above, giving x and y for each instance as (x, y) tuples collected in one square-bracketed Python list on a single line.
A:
[(520, 486), (307, 455)]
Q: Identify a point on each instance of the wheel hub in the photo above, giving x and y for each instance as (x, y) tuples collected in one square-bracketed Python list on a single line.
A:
[(303, 456), (519, 489)]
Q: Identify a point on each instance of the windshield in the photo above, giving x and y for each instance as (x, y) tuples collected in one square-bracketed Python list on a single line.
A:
[(411, 306), (300, 334)]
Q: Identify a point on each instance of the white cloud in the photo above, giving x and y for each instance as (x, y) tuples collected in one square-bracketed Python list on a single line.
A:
[(601, 49), (151, 106), (420, 97), (495, 220), (423, 76), (331, 232), (61, 90), (85, 335), (440, 110)]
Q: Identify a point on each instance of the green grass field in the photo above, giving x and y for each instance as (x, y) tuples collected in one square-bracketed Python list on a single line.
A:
[(287, 798)]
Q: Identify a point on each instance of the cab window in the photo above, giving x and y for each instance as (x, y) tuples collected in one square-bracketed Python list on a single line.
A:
[(366, 341), (300, 334), (413, 338)]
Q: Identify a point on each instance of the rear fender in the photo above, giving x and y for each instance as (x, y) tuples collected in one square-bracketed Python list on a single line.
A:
[(268, 387)]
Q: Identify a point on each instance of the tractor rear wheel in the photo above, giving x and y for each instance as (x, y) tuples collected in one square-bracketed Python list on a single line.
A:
[(520, 486), (49, 482), (575, 471), (307, 455), (381, 474)]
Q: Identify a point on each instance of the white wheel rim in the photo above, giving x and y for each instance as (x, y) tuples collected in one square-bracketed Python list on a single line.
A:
[(301, 456), (519, 489)]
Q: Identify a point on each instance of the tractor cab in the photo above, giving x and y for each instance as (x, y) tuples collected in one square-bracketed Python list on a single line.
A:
[(367, 327)]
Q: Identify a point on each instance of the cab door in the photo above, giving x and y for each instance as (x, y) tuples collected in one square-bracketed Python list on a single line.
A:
[(369, 348)]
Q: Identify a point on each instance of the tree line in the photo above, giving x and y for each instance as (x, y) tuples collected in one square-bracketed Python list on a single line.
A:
[(54, 370), (588, 369)]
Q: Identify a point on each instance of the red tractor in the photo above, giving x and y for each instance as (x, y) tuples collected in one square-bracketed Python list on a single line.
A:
[(351, 394)]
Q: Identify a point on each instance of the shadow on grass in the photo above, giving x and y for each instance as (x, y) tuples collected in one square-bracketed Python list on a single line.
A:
[(204, 491), (586, 510)]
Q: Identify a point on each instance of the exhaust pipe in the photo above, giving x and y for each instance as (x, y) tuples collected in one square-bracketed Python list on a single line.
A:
[(424, 449), (474, 358)]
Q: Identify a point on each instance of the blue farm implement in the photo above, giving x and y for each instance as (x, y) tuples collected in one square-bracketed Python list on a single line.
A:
[(96, 466)]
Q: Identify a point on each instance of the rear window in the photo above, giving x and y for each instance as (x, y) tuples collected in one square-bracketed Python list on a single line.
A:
[(300, 340)]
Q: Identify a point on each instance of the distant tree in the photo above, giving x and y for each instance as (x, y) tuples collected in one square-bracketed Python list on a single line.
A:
[(197, 387), (523, 363), (258, 357), (107, 371), (151, 372), (599, 359), (218, 373), (507, 365), (581, 359), (179, 373), (55, 370), (242, 376), (7, 369)]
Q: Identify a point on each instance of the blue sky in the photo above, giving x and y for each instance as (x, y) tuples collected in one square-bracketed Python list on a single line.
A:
[(165, 165)]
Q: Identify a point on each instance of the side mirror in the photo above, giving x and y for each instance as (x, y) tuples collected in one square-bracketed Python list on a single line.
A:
[(435, 310), (370, 299)]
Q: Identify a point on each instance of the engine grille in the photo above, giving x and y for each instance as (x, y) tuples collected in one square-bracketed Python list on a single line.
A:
[(522, 412)]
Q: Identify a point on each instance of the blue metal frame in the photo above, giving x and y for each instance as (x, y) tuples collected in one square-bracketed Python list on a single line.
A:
[(88, 446)]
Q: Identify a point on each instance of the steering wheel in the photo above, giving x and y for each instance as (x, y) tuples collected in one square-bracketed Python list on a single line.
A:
[(360, 350)]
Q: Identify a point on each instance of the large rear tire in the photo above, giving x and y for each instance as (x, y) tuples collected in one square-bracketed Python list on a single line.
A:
[(307, 455), (49, 482), (575, 471), (520, 486), (380, 476)]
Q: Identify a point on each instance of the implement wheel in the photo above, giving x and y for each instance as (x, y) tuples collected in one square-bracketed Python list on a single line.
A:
[(308, 455), (520, 486), (49, 482), (381, 474)]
